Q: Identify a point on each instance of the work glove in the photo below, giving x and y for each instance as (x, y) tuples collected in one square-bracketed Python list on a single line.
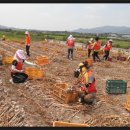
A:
[(87, 85), (21, 71)]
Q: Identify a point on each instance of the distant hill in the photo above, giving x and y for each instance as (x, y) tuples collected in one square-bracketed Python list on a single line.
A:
[(102, 29), (105, 29), (6, 28)]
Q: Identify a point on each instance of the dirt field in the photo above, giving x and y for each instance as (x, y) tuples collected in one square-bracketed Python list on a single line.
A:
[(32, 103)]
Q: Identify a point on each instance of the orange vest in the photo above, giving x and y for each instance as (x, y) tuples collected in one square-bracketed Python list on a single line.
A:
[(19, 66), (90, 45), (28, 40), (91, 88), (107, 47), (97, 46), (70, 43)]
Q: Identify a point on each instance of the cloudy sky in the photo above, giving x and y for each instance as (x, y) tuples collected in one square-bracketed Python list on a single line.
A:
[(61, 16)]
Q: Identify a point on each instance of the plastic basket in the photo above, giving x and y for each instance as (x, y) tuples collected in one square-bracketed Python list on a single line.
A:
[(116, 86), (7, 60), (42, 60), (127, 105), (34, 73)]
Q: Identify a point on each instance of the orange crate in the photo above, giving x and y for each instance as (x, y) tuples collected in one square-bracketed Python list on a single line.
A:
[(83, 53), (42, 60), (79, 49), (61, 95), (67, 124), (7, 60), (127, 104), (34, 73), (90, 61), (101, 52)]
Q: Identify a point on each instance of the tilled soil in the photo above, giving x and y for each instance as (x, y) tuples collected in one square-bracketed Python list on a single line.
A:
[(32, 104)]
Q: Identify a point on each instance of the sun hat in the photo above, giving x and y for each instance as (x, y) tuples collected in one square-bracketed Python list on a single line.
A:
[(20, 54)]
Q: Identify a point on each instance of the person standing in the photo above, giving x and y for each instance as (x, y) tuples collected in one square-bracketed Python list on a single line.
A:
[(90, 46), (70, 44), (107, 49), (27, 42), (96, 49)]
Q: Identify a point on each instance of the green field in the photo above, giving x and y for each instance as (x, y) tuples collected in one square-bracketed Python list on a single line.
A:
[(19, 36)]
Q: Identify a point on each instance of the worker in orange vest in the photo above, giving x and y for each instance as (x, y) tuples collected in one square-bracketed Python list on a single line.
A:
[(70, 45), (96, 48), (87, 92), (90, 46), (107, 49), (17, 73), (27, 42)]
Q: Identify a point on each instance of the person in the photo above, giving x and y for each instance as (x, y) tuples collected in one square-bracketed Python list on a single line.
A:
[(107, 49), (70, 44), (96, 48), (87, 93), (90, 46), (27, 42), (3, 38), (17, 72)]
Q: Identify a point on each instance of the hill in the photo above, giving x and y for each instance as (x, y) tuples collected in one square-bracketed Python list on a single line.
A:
[(105, 29)]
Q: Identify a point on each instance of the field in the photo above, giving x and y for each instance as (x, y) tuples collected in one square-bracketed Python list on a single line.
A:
[(32, 103), (18, 36)]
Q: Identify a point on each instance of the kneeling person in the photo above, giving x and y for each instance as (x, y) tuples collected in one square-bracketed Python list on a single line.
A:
[(88, 90), (17, 72)]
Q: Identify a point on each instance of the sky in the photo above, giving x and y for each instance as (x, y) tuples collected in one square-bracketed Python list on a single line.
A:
[(62, 16)]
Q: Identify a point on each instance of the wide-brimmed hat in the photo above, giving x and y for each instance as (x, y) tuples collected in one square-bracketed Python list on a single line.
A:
[(26, 32), (91, 39), (20, 54), (110, 40)]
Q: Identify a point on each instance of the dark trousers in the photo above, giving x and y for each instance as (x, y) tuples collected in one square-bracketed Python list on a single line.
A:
[(70, 53), (87, 98), (89, 52), (27, 50), (106, 55), (95, 54), (19, 77)]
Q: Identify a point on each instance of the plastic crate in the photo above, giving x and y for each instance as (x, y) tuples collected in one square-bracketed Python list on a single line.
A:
[(68, 124), (83, 53), (127, 104), (34, 73), (120, 58), (42, 60), (116, 86), (100, 52), (7, 60)]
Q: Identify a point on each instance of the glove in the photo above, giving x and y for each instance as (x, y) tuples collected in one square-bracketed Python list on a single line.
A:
[(83, 88), (87, 85), (21, 71)]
